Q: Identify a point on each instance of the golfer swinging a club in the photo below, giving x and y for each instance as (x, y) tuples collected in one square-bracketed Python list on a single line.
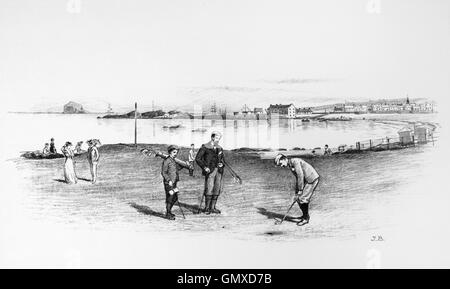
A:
[(307, 179)]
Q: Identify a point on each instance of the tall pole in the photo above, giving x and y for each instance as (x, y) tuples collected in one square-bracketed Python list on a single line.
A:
[(135, 124)]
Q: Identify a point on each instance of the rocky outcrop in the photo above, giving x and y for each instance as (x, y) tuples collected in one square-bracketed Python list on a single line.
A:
[(73, 107)]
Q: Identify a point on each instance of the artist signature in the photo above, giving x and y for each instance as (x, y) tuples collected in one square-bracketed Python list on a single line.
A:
[(377, 238)]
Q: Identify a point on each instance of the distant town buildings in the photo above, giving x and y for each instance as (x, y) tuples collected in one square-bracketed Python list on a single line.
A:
[(362, 108), (246, 113), (284, 110), (289, 111), (398, 107), (351, 108), (385, 107), (339, 108), (304, 111)]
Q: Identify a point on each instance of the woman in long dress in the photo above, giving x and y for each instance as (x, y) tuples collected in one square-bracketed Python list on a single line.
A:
[(69, 166)]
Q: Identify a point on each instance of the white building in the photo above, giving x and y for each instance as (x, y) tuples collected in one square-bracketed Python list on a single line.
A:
[(427, 107), (349, 108), (361, 108), (287, 110)]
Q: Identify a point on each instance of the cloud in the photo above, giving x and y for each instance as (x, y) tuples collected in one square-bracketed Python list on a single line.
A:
[(303, 80), (225, 88)]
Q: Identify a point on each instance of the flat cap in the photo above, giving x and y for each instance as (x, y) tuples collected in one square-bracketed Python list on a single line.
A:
[(278, 158), (172, 147)]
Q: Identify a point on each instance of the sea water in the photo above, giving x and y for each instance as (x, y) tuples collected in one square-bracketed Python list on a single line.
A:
[(29, 132)]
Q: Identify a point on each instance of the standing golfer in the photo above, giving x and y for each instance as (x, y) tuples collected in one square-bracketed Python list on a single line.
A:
[(93, 157), (169, 172), (211, 160), (307, 179)]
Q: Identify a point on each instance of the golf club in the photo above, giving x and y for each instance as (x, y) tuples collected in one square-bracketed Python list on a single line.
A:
[(279, 222), (181, 209)]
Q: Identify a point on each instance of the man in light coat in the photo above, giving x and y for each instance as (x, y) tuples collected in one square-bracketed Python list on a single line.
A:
[(93, 157), (307, 180)]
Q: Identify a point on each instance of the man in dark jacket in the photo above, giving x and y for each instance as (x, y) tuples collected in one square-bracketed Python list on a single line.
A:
[(169, 172), (52, 146), (211, 160)]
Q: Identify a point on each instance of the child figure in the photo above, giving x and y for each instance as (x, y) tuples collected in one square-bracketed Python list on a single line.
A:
[(169, 172), (46, 149)]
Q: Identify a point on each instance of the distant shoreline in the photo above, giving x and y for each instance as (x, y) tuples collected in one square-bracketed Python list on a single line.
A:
[(43, 112)]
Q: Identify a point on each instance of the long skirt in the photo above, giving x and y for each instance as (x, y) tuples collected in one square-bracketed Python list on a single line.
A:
[(69, 172)]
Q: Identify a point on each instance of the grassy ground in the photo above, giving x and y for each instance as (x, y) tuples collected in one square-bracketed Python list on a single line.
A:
[(353, 192)]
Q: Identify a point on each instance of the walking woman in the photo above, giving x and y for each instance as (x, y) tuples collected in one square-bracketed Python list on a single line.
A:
[(69, 167)]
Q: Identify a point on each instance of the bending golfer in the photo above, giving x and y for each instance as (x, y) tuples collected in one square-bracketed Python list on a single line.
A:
[(307, 179)]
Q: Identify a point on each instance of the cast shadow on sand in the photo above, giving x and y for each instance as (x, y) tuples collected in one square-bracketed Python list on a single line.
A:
[(147, 211), (195, 209), (63, 181), (276, 216)]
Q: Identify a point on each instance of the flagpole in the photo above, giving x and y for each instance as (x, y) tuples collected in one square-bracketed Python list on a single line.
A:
[(135, 124)]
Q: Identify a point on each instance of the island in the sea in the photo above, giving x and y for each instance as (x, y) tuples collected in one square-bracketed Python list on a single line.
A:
[(158, 114), (73, 108)]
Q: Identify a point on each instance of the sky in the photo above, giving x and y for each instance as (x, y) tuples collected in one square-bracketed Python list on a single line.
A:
[(185, 53)]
